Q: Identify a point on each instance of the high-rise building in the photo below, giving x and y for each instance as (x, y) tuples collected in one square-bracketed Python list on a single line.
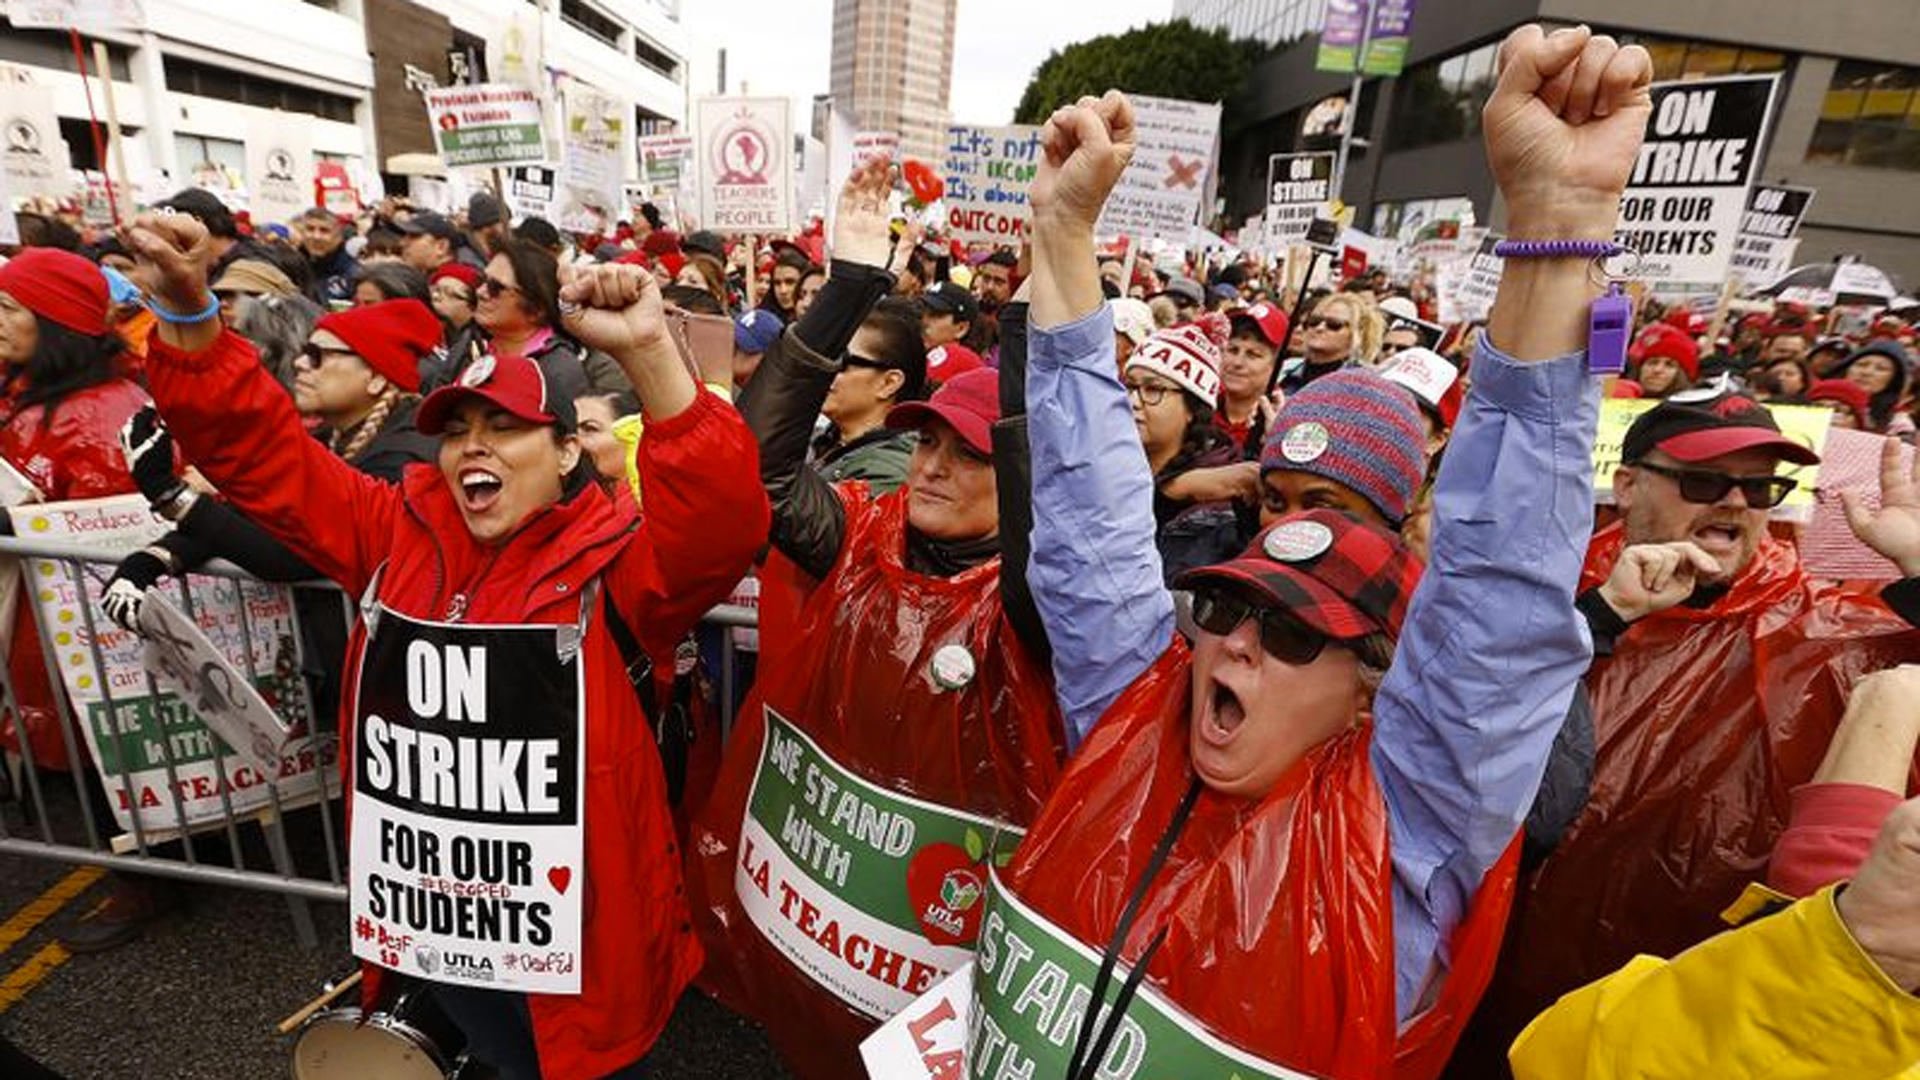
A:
[(892, 67)]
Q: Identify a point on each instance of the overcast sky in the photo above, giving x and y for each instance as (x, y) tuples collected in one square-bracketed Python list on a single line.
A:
[(785, 47)]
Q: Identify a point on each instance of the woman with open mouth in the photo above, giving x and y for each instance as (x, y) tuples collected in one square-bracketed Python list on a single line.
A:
[(510, 836), (1289, 846)]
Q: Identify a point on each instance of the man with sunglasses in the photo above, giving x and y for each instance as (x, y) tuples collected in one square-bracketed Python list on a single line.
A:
[(1721, 672)]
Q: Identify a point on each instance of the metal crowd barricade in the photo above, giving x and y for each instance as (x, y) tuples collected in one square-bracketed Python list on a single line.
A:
[(62, 824)]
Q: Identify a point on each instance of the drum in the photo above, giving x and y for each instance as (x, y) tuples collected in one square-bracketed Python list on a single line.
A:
[(413, 1040)]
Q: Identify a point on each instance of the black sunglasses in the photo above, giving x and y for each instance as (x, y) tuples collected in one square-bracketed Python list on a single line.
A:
[(317, 355), (1335, 325), (851, 359), (493, 286), (1287, 639), (1703, 486)]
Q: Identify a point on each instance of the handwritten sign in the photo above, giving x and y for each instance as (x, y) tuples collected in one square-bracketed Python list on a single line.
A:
[(988, 171), (1164, 186)]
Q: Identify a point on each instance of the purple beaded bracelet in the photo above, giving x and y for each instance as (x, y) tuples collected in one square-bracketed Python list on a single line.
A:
[(1557, 249)]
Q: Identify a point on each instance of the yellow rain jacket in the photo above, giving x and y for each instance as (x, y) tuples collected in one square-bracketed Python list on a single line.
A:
[(1789, 997)]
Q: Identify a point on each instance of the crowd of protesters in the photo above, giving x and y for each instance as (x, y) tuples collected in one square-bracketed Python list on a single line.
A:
[(1272, 628)]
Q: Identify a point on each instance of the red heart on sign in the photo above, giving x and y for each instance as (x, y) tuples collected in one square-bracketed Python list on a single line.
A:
[(560, 877)]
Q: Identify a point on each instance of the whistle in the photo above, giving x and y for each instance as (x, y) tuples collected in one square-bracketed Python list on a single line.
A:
[(1610, 323)]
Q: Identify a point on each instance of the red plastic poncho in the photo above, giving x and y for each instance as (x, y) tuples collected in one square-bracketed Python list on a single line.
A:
[(846, 671), (1705, 721), (1279, 912)]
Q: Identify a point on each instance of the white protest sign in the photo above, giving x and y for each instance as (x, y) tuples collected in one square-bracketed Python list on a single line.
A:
[(987, 172), (666, 161), (1466, 291), (928, 1039), (1163, 187), (9, 225), (185, 664), (36, 155), (279, 167), (531, 190), (486, 124), (1763, 251), (1298, 189), (89, 15), (1684, 201), (868, 145), (130, 723), (744, 152), (590, 197)]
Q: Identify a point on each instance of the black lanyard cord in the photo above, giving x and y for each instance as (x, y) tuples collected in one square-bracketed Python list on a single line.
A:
[(1085, 1059)]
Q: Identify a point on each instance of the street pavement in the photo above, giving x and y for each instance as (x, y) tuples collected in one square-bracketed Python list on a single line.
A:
[(199, 994)]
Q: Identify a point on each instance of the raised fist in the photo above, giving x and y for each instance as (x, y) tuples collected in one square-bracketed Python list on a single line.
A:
[(1084, 148), (615, 308), (174, 255)]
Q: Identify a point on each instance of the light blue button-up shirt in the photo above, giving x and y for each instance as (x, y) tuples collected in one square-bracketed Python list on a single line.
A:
[(1491, 649)]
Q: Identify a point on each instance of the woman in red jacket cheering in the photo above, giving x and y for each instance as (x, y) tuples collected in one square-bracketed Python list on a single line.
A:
[(511, 840)]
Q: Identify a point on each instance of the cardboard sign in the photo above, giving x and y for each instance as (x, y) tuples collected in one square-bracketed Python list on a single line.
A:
[(35, 158), (1299, 186), (1684, 201), (590, 200), (1763, 251), (279, 167), (1166, 183), (1803, 424), (872, 894), (467, 833), (184, 663), (927, 1040), (486, 124), (988, 171), (744, 156), (129, 721)]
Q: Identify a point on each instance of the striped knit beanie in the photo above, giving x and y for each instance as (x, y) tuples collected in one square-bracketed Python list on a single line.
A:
[(1357, 429), (1188, 354)]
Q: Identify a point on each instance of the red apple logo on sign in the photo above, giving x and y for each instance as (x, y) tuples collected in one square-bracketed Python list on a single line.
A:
[(947, 884)]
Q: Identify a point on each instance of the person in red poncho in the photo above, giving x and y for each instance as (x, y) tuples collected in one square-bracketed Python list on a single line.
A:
[(1298, 832), (901, 730), (1707, 715), (507, 811)]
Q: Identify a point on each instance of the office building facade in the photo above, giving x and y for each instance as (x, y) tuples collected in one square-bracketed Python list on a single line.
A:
[(893, 66)]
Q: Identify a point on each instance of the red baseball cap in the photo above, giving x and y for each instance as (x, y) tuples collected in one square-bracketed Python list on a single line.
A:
[(950, 361), (514, 383), (968, 402), (1696, 425), (1340, 576), (1271, 321)]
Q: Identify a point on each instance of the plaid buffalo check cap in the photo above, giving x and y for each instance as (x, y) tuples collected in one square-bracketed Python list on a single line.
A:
[(1343, 577)]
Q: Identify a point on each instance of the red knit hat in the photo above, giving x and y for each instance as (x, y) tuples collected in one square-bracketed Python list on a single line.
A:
[(60, 287), (1845, 392), (390, 336), (1661, 339), (459, 271)]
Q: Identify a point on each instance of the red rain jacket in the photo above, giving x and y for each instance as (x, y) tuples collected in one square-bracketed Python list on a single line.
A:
[(1705, 722), (1279, 911), (706, 516), (77, 456), (846, 658)]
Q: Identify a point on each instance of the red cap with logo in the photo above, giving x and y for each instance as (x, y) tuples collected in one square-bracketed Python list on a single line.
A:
[(969, 403), (950, 361), (1271, 321), (514, 383)]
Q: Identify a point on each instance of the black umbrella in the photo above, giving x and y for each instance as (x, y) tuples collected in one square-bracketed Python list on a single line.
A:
[(1836, 284)]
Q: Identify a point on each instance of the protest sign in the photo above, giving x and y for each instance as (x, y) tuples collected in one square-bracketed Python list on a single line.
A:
[(591, 171), (666, 161), (1163, 187), (531, 190), (333, 186), (9, 225), (987, 172), (1340, 34), (279, 167), (1298, 189), (1387, 41), (743, 152), (868, 145), (927, 1040), (1849, 461), (187, 665), (1684, 201), (129, 722), (1763, 250), (1466, 290), (467, 833), (1805, 425), (36, 155), (872, 894), (486, 124), (91, 16)]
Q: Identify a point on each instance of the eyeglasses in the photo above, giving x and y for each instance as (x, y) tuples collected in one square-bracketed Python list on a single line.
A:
[(316, 355), (1388, 348), (849, 359), (493, 286), (1149, 394), (1335, 325), (1285, 638), (1704, 486)]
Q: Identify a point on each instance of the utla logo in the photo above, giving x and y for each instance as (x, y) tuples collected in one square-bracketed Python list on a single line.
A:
[(945, 883)]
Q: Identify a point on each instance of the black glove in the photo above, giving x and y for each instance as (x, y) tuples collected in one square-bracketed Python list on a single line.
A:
[(127, 588), (149, 452)]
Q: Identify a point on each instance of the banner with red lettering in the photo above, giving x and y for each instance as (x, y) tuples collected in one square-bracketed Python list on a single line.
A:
[(151, 748), (988, 171)]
